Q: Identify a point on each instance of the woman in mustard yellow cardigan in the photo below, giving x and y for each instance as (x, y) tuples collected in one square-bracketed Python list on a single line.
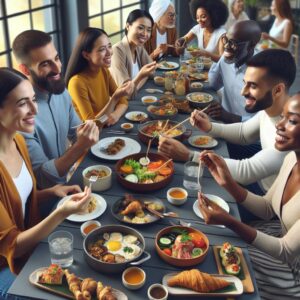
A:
[(20, 225), (91, 86)]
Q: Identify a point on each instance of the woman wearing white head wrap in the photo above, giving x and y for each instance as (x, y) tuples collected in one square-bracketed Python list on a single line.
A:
[(236, 13), (164, 31)]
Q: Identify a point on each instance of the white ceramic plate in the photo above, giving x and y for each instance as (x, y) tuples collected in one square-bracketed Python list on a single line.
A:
[(222, 203), (97, 212), (174, 65), (133, 116), (210, 144), (63, 290), (131, 147), (187, 292)]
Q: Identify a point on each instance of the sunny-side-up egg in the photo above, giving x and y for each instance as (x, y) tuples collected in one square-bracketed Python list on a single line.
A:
[(122, 245)]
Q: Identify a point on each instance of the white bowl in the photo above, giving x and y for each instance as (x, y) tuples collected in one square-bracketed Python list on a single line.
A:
[(102, 183), (127, 127), (159, 80), (148, 100), (133, 286), (177, 201), (159, 286), (86, 224)]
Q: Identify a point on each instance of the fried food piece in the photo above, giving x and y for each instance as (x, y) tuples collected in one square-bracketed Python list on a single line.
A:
[(132, 208)]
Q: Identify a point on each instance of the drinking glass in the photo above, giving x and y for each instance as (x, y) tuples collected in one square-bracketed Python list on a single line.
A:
[(192, 175), (61, 248)]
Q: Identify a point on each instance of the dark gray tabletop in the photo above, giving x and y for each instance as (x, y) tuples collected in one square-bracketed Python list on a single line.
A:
[(155, 268)]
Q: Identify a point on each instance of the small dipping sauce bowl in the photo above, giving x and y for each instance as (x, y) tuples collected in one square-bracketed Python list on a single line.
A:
[(177, 195), (127, 127), (147, 100), (157, 291), (88, 227), (133, 278)]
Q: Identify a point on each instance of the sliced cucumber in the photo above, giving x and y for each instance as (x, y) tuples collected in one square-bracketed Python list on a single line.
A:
[(233, 269), (197, 252), (165, 242), (132, 178)]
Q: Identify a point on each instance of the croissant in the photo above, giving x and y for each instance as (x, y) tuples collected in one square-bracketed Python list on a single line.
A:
[(132, 207), (104, 293), (74, 286), (197, 281), (88, 287)]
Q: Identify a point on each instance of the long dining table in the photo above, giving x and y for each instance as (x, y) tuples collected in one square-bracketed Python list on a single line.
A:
[(155, 268)]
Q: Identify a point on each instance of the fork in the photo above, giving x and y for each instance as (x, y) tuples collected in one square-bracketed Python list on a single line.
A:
[(93, 179)]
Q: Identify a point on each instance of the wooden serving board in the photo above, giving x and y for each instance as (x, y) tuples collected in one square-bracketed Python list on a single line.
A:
[(244, 275), (63, 289)]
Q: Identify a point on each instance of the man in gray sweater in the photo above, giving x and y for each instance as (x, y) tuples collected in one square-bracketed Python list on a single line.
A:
[(47, 145)]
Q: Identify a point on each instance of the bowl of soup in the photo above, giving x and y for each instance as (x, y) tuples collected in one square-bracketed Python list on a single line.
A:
[(199, 100), (177, 196), (158, 80), (133, 278), (88, 227), (103, 181), (148, 100)]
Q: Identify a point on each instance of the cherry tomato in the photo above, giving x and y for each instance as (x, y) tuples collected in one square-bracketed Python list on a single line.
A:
[(168, 251), (199, 243)]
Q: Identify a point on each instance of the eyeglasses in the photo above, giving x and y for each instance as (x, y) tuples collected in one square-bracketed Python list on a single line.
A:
[(234, 45), (171, 16)]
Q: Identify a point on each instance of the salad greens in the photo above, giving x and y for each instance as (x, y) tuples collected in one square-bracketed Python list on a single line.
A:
[(141, 172)]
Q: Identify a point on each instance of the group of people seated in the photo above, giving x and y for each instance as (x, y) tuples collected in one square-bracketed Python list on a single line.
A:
[(47, 122)]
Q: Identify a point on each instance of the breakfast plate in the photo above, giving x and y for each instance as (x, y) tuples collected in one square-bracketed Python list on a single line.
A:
[(202, 141), (168, 65), (136, 116), (234, 289), (131, 147), (218, 200), (97, 208), (63, 289)]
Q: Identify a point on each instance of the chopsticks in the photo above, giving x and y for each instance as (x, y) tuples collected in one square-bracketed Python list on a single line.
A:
[(101, 119), (205, 108), (75, 166)]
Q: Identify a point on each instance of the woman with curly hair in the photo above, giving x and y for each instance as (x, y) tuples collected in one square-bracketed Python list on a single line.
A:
[(210, 16), (283, 26)]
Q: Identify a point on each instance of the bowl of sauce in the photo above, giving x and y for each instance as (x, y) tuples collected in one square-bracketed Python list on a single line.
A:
[(127, 127), (88, 227), (133, 278), (177, 195), (147, 100), (157, 291)]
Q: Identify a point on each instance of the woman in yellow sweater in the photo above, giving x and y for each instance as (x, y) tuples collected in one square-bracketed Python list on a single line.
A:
[(93, 90), (21, 227)]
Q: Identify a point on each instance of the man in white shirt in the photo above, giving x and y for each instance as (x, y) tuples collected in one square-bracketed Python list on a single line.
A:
[(228, 73), (267, 80)]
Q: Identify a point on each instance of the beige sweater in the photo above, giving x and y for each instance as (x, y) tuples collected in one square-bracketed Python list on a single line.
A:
[(121, 62), (287, 247)]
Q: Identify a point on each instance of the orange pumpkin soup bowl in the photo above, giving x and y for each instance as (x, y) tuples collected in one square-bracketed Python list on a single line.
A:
[(171, 238)]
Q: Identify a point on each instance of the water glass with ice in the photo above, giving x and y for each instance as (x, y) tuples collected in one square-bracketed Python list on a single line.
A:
[(191, 173), (61, 248)]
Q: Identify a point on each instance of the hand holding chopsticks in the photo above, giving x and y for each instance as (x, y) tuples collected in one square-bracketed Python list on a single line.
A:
[(102, 119)]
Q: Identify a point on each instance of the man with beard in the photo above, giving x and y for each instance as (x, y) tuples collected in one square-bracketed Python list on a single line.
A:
[(267, 79), (50, 159), (228, 73)]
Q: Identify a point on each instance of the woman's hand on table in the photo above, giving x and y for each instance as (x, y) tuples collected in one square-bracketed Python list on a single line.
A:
[(77, 203), (217, 167), (173, 149), (200, 120), (212, 213)]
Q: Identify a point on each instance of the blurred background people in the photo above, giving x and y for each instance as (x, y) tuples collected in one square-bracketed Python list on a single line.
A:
[(283, 26), (236, 13)]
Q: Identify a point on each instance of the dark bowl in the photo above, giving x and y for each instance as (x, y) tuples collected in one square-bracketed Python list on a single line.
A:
[(104, 267), (144, 137), (144, 187), (197, 103), (158, 116)]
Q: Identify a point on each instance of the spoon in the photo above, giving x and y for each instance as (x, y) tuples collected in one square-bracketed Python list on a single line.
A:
[(153, 91), (145, 161)]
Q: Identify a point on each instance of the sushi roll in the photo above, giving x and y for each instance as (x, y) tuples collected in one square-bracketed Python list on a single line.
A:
[(233, 269)]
